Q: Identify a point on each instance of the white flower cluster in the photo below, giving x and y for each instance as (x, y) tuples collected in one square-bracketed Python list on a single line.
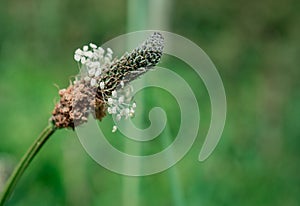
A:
[(119, 104), (95, 61)]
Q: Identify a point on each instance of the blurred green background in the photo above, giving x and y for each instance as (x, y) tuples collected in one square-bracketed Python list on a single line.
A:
[(254, 45)]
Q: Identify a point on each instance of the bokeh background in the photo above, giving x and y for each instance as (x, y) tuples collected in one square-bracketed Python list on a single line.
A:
[(254, 45)]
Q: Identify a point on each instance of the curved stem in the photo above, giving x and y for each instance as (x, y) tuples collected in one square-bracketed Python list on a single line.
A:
[(24, 163)]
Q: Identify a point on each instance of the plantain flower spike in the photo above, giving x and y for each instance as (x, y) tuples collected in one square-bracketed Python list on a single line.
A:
[(103, 86)]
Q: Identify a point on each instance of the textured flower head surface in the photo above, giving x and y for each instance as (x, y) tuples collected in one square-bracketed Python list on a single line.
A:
[(103, 85)]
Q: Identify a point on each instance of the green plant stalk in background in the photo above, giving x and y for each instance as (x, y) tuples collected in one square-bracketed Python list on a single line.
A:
[(137, 18), (24, 162)]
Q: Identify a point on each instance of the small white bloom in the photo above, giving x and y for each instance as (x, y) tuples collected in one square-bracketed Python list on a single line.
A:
[(85, 48), (114, 129), (88, 54), (77, 57), (109, 56), (122, 112), (134, 105), (98, 72), (114, 93), (96, 64), (122, 84), (114, 110), (110, 101), (121, 99), (93, 82), (97, 55), (127, 111), (118, 117), (131, 113), (100, 50), (92, 72), (102, 85), (109, 51), (87, 79), (79, 52), (83, 60), (109, 110), (93, 46)]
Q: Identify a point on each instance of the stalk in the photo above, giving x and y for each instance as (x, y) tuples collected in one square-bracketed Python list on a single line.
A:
[(24, 163)]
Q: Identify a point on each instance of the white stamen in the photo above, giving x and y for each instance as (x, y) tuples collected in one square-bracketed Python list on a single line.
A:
[(92, 72), (122, 84), (102, 85), (134, 105), (85, 48), (110, 101), (114, 93), (109, 51), (93, 82), (77, 57), (114, 129), (93, 46)]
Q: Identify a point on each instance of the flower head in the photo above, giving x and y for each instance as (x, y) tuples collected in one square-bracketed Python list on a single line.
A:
[(103, 84)]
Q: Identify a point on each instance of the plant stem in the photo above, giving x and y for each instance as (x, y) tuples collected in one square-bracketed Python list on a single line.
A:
[(25, 161)]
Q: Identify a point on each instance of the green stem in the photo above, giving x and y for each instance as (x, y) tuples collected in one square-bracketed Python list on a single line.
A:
[(24, 163)]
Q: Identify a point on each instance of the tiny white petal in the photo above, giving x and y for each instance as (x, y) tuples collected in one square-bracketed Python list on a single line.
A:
[(85, 48), (87, 79), (88, 54), (93, 82), (114, 110), (131, 113), (98, 72), (122, 112), (92, 72), (88, 62), (101, 50), (114, 93), (96, 55), (122, 84), (83, 60), (97, 64), (109, 110), (93, 46), (134, 105), (102, 85), (109, 56), (114, 129), (77, 57), (110, 100), (109, 51), (78, 51)]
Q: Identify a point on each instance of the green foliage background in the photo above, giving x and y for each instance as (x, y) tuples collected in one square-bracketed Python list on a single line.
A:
[(255, 46)]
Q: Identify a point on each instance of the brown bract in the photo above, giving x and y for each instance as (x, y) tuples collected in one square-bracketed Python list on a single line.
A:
[(75, 105)]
